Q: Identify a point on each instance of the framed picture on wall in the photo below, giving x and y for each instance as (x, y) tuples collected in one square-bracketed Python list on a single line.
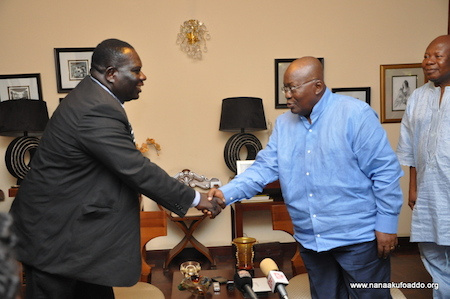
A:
[(23, 86), (398, 81), (281, 65), (360, 93), (72, 65)]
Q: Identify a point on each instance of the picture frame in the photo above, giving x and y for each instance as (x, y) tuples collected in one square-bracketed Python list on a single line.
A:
[(72, 65), (281, 65), (397, 82), (360, 93), (20, 86), (242, 165)]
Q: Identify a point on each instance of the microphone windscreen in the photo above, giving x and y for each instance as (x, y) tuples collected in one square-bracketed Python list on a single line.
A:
[(268, 265), (242, 278)]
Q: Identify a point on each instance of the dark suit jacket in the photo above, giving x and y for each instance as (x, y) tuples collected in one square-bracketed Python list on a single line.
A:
[(77, 211)]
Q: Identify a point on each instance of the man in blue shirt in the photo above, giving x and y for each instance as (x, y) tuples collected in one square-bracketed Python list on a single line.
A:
[(340, 182)]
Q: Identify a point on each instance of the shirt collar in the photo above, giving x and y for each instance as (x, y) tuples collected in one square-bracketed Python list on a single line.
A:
[(105, 88), (320, 106)]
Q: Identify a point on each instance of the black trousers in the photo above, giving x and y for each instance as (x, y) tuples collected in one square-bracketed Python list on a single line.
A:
[(43, 285)]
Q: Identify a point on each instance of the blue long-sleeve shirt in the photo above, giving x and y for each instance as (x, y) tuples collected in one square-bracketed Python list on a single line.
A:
[(339, 175)]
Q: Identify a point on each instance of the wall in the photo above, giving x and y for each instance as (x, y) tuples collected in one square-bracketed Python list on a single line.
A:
[(181, 100)]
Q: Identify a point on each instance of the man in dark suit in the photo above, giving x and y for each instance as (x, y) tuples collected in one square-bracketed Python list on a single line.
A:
[(77, 211)]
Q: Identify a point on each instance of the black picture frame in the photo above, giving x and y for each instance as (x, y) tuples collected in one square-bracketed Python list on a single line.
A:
[(72, 65), (281, 65), (360, 93), (20, 86)]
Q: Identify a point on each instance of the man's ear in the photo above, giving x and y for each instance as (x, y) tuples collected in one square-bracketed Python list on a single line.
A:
[(319, 85), (110, 74)]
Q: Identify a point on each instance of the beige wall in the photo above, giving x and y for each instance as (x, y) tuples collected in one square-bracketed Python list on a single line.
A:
[(180, 104)]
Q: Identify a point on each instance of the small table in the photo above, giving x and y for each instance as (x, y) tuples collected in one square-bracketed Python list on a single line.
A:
[(224, 293), (238, 208), (13, 191), (237, 214)]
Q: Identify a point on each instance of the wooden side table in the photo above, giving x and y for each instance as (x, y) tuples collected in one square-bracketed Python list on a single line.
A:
[(12, 192), (237, 214), (238, 208)]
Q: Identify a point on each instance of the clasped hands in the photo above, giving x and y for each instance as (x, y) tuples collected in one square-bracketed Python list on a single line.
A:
[(211, 203)]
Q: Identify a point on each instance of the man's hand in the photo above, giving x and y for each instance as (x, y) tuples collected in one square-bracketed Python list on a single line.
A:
[(386, 243), (412, 196), (214, 192), (211, 207), (412, 199)]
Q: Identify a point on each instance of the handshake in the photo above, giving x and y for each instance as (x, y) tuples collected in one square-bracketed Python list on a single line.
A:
[(211, 203)]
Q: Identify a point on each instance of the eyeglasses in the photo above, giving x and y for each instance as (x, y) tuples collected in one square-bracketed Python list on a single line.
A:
[(287, 89)]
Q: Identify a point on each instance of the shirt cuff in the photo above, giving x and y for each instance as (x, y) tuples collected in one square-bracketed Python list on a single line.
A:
[(386, 224), (226, 193), (196, 199)]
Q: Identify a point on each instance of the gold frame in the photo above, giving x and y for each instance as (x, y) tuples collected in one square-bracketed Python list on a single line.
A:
[(387, 73)]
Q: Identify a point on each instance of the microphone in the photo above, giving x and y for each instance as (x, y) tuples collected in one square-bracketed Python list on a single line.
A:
[(275, 278), (244, 283)]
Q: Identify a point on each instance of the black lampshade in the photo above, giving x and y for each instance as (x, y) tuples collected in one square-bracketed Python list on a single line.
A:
[(23, 117), (241, 114)]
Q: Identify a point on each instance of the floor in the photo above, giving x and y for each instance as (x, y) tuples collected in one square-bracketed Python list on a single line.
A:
[(405, 261)]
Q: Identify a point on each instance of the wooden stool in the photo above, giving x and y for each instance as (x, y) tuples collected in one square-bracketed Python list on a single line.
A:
[(189, 223)]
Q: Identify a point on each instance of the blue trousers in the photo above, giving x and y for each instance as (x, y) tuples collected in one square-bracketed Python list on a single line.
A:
[(436, 259), (332, 272)]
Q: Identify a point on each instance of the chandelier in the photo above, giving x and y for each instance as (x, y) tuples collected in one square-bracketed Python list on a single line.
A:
[(192, 38)]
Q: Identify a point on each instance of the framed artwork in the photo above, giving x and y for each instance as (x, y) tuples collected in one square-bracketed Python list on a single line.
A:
[(360, 93), (281, 65), (72, 65), (398, 81), (24, 86), (242, 165)]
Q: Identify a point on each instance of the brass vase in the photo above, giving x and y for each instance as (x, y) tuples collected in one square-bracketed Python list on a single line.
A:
[(244, 252)]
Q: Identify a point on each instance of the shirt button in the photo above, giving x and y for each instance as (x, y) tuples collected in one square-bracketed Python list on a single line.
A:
[(231, 198), (318, 235), (307, 173), (314, 215), (310, 194), (310, 130), (309, 151)]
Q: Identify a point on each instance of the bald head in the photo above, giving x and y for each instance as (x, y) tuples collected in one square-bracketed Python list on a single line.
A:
[(436, 61), (443, 39), (306, 68), (303, 85)]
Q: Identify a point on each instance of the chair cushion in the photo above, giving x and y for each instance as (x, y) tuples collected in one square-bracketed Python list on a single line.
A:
[(138, 291), (298, 287), (397, 294)]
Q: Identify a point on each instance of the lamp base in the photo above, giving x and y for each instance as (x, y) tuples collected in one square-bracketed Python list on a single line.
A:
[(15, 158), (234, 145)]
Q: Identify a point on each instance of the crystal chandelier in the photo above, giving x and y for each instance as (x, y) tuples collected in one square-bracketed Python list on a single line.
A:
[(192, 38)]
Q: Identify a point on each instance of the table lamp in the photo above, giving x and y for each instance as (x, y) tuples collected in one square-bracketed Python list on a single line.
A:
[(26, 119), (241, 114)]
